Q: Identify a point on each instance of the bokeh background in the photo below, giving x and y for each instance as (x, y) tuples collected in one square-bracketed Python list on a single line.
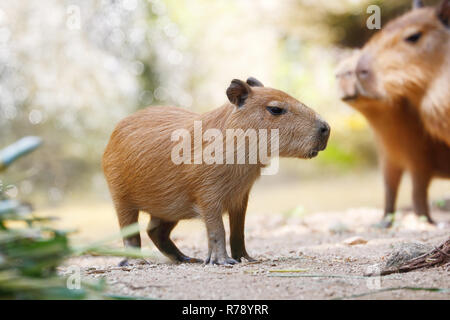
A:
[(70, 70)]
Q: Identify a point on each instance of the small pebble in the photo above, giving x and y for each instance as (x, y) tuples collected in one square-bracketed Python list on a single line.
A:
[(355, 240)]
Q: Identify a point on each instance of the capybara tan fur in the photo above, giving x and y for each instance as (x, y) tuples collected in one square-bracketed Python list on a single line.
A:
[(142, 176), (403, 143), (410, 59)]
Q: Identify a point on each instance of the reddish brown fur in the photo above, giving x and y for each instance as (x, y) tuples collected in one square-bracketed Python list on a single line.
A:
[(403, 142), (142, 177), (394, 68)]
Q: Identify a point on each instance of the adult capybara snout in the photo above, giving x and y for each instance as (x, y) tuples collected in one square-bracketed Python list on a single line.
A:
[(363, 67), (366, 80)]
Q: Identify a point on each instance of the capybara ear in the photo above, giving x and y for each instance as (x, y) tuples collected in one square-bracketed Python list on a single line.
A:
[(416, 4), (238, 92), (253, 82), (443, 12)]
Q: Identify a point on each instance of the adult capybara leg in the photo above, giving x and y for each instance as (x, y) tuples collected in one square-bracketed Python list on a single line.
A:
[(420, 195), (159, 231), (392, 176), (128, 216), (237, 239)]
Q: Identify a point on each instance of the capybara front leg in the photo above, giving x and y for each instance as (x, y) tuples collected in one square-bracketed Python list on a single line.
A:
[(127, 217), (237, 238), (420, 195), (159, 231), (217, 253)]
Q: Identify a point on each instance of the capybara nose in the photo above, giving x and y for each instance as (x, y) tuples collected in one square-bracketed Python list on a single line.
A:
[(324, 134), (324, 129), (363, 67)]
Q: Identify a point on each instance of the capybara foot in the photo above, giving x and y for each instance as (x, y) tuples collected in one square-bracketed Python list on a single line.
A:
[(426, 218), (187, 259), (248, 258), (221, 261), (124, 263), (239, 258), (383, 224), (128, 262)]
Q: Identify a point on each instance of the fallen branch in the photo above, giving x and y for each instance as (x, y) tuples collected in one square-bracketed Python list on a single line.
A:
[(436, 257)]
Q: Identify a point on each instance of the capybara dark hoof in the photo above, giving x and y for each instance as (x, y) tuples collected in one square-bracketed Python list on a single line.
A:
[(222, 261), (249, 259), (190, 260), (244, 258), (124, 263), (132, 262)]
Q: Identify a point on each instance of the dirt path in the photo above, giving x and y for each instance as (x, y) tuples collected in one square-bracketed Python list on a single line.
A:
[(313, 244)]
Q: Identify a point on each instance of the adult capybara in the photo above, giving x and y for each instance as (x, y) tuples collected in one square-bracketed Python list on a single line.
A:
[(410, 59), (402, 140), (143, 171)]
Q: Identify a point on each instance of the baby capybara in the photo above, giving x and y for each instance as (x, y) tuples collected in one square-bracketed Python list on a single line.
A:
[(142, 176), (402, 140), (410, 59)]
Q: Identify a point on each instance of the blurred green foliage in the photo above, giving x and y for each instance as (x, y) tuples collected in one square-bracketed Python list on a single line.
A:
[(31, 251), (30, 254)]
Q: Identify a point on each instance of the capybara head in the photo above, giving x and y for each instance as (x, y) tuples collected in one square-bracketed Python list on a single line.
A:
[(405, 56), (302, 132)]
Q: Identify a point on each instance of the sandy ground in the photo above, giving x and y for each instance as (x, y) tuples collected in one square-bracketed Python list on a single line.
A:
[(292, 224), (311, 244)]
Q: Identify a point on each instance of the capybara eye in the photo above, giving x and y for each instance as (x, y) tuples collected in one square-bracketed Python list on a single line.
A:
[(276, 111), (414, 37)]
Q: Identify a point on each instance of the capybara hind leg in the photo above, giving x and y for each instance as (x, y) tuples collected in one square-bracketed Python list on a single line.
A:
[(127, 217), (392, 177), (237, 239), (420, 195), (159, 231), (217, 252)]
